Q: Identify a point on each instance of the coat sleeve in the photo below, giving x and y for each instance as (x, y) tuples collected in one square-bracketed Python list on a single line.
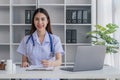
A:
[(58, 46), (22, 48)]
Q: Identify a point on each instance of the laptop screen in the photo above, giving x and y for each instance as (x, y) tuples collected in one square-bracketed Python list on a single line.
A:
[(89, 58)]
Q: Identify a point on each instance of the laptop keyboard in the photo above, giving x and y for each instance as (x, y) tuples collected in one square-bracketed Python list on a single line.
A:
[(67, 68)]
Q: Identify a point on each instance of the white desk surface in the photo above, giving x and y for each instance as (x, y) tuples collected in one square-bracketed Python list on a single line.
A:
[(107, 72)]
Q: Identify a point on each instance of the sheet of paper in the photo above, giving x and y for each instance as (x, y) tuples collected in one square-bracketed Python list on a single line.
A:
[(39, 68)]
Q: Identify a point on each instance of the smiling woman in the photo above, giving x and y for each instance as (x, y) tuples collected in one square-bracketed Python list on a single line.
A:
[(41, 47)]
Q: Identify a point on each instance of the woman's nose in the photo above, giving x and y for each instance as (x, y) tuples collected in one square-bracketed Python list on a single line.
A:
[(39, 21)]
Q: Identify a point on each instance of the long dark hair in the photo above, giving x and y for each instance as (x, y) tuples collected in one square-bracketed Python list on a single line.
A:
[(41, 10)]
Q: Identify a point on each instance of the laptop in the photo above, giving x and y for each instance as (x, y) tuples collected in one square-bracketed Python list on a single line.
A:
[(88, 58)]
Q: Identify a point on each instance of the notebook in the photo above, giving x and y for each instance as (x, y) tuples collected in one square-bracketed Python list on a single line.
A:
[(88, 58)]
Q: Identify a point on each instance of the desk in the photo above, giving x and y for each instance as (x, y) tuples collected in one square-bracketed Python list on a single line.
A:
[(106, 73)]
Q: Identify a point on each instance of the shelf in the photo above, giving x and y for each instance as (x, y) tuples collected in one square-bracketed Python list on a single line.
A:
[(81, 32), (50, 1), (19, 31), (4, 2), (70, 63), (58, 11), (63, 44), (4, 24), (24, 2), (4, 15), (21, 5), (4, 5), (75, 2), (19, 13), (70, 53), (4, 34), (59, 24), (4, 43), (78, 5), (51, 4), (79, 24), (17, 63), (15, 44), (4, 52), (59, 30), (16, 58), (13, 26), (21, 24)]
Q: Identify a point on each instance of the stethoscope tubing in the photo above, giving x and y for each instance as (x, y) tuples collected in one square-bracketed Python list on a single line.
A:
[(51, 43)]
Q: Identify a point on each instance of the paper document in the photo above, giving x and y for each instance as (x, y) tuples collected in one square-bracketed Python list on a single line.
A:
[(39, 68)]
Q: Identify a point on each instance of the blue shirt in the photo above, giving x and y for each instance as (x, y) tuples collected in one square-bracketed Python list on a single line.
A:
[(41, 50)]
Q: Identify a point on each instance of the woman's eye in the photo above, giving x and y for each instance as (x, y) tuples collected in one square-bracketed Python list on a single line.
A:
[(36, 18), (42, 19), (39, 19)]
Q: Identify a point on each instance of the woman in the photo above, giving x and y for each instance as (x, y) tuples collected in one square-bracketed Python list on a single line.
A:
[(41, 47)]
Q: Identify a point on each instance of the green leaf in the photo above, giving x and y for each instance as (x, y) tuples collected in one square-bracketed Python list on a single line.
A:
[(100, 28), (111, 26), (109, 31), (102, 37)]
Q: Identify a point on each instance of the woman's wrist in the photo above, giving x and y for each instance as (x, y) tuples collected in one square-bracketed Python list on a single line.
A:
[(55, 63), (52, 63), (24, 61)]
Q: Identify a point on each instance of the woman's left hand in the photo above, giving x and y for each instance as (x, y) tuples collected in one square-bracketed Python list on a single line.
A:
[(46, 63)]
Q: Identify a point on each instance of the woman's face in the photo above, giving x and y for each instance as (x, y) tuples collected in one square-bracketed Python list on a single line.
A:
[(40, 21)]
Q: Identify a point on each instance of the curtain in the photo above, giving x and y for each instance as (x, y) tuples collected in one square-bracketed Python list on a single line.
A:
[(108, 11), (116, 20)]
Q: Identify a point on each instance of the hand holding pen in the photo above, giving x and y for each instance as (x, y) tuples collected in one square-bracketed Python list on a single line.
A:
[(48, 63)]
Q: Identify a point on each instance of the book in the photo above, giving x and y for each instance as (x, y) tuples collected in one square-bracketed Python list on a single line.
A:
[(73, 36), (68, 16), (73, 16), (79, 16), (68, 36), (27, 16)]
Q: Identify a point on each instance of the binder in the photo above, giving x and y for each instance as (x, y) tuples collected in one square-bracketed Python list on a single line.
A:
[(27, 16), (74, 36), (68, 36), (79, 16), (68, 16), (89, 16), (85, 16), (74, 16)]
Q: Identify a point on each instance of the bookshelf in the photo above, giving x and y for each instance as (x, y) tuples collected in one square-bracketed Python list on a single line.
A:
[(12, 24)]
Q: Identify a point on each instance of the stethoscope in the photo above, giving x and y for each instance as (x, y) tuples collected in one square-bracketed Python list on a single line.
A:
[(51, 44)]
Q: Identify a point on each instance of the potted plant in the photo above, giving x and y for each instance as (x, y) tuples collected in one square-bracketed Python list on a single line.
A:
[(102, 36)]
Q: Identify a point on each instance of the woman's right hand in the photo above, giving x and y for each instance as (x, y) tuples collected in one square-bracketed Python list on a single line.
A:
[(24, 64)]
